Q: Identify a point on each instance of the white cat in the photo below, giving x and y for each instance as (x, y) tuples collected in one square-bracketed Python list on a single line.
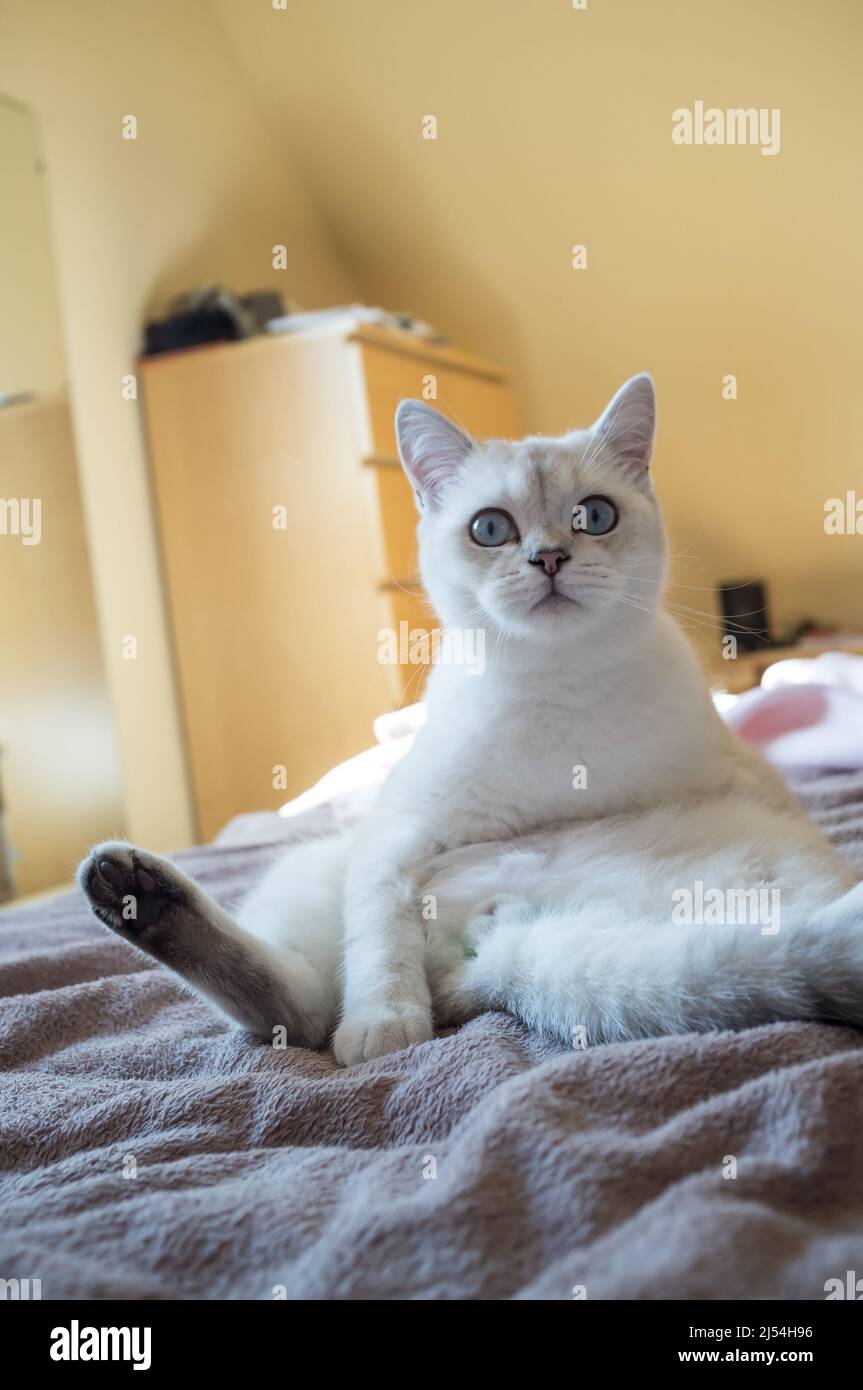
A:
[(553, 812)]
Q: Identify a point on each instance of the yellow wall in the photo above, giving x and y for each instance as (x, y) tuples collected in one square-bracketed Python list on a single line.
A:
[(204, 193), (555, 129), (31, 352)]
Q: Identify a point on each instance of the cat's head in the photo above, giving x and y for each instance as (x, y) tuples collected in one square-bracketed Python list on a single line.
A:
[(544, 537)]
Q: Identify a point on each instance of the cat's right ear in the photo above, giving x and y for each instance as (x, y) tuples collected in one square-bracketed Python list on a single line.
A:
[(432, 450), (627, 425)]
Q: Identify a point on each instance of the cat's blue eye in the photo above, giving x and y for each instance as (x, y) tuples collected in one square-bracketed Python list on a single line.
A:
[(492, 527), (595, 515)]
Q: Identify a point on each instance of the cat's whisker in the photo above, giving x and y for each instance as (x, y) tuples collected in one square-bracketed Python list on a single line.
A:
[(712, 620)]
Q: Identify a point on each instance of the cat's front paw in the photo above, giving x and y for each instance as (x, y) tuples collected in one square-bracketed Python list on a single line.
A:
[(375, 1032)]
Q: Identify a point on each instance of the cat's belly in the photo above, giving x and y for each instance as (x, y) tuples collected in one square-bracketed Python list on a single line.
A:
[(631, 867)]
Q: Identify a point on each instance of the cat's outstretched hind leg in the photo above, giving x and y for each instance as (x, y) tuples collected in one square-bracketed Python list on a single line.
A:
[(159, 910)]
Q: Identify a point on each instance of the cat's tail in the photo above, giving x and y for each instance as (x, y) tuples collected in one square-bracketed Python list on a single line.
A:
[(587, 982)]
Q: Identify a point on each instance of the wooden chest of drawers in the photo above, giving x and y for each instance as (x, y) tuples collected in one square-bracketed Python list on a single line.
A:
[(287, 532)]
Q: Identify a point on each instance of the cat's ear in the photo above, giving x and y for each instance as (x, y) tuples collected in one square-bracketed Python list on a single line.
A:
[(432, 450), (627, 425)]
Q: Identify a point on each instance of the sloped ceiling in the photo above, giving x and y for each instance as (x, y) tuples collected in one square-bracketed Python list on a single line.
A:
[(554, 128)]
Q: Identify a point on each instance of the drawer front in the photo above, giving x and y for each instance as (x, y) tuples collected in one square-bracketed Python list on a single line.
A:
[(397, 519), (404, 612), (481, 404)]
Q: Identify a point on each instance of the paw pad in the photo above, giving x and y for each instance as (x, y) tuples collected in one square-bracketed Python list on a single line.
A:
[(121, 891)]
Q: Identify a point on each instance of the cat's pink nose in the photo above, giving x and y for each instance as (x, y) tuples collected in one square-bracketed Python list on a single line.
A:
[(551, 560)]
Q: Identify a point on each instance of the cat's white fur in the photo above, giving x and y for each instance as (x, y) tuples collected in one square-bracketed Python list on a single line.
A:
[(492, 872)]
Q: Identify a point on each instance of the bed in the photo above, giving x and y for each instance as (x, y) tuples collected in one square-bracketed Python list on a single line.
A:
[(149, 1152)]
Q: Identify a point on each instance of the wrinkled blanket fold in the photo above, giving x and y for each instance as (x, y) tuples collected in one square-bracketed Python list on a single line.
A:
[(147, 1151)]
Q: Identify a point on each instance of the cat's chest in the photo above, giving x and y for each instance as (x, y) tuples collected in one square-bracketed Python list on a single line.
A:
[(556, 765)]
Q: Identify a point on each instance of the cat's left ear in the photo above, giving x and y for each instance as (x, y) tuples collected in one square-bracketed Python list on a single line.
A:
[(432, 450), (627, 427)]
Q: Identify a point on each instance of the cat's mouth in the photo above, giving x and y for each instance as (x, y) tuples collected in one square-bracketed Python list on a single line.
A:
[(554, 600)]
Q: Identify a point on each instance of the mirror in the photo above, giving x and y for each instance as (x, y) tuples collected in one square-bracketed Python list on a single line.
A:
[(59, 773)]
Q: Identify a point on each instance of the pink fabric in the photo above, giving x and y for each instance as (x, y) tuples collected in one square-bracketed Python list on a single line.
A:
[(806, 713)]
